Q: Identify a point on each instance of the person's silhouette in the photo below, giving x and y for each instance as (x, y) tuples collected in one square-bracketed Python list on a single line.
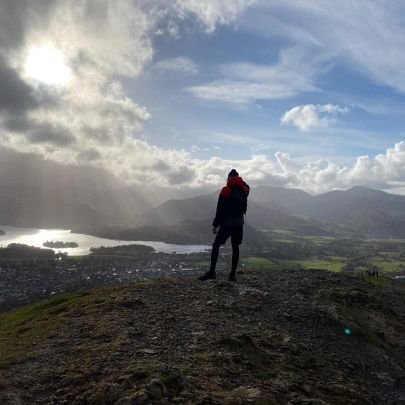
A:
[(228, 222)]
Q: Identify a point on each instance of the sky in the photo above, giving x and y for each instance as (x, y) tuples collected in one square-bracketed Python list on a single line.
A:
[(177, 93)]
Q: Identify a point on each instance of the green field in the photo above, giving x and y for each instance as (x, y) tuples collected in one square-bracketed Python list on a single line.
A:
[(268, 264), (288, 250), (389, 265), (332, 265), (333, 253), (260, 263)]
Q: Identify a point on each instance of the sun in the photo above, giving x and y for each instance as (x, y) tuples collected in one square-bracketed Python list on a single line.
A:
[(47, 65)]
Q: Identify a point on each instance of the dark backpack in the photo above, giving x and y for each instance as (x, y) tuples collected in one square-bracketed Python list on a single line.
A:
[(237, 202)]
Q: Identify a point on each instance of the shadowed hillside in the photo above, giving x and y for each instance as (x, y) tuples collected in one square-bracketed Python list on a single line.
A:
[(259, 216), (279, 337), (185, 232), (362, 209), (40, 193)]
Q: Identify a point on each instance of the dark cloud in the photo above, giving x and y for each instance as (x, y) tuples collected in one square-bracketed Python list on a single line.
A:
[(16, 16), (50, 134), (174, 176), (16, 123), (89, 155), (16, 96), (161, 167), (181, 176), (103, 136)]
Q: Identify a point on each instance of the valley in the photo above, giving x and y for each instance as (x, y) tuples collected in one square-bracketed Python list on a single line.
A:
[(285, 229), (30, 274)]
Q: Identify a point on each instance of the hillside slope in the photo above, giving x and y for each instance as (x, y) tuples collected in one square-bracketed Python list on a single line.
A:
[(272, 338), (369, 211), (173, 212), (186, 232)]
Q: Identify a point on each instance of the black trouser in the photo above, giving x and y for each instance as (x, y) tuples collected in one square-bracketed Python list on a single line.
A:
[(236, 234)]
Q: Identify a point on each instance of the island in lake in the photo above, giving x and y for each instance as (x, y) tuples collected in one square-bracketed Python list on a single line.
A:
[(59, 244)]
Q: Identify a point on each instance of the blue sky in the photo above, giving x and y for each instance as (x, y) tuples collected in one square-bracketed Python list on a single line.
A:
[(372, 124), (300, 94)]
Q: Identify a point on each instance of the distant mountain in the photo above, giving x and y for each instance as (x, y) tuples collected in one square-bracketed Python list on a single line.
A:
[(26, 206), (279, 198), (359, 209), (363, 209), (39, 193), (173, 212), (66, 207), (268, 218)]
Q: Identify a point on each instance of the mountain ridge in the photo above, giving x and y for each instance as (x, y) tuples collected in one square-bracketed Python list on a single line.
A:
[(359, 210)]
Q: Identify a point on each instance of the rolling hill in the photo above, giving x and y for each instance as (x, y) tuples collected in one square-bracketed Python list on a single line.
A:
[(185, 232), (173, 212), (40, 193), (365, 210)]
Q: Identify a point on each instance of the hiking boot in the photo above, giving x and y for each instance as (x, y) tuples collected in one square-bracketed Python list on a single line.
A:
[(232, 277), (209, 275)]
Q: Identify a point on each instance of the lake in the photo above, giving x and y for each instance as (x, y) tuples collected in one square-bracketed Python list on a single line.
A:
[(37, 237)]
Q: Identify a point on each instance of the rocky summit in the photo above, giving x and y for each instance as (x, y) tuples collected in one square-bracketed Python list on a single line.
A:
[(279, 337)]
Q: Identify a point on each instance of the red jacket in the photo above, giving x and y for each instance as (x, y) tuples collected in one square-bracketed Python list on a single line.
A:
[(223, 216)]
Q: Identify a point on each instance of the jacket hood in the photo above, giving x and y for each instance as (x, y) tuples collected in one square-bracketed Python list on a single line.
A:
[(232, 182), (236, 181)]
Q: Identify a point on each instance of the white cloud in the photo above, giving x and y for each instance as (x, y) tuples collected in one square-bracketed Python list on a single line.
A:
[(259, 148), (384, 171), (181, 64), (243, 83), (213, 12), (307, 117), (91, 120), (196, 148), (368, 35)]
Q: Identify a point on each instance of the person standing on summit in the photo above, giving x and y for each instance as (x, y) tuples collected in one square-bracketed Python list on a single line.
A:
[(228, 222)]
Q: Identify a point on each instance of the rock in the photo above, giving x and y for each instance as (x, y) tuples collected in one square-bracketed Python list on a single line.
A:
[(140, 398), (307, 401), (248, 394), (156, 389), (148, 351), (252, 394), (175, 383), (124, 401), (11, 398), (381, 335), (385, 379), (306, 388)]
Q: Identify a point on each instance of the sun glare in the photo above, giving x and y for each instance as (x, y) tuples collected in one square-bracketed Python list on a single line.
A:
[(47, 65)]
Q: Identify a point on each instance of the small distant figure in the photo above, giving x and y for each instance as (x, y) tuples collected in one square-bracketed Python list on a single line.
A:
[(372, 273), (228, 222)]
